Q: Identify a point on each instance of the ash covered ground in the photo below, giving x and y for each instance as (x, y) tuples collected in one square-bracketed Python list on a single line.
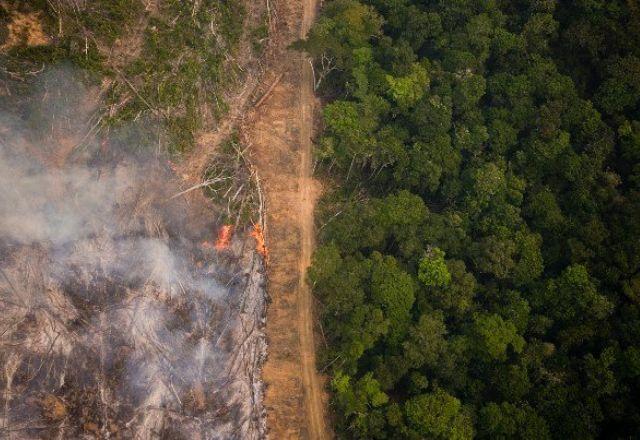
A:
[(117, 319)]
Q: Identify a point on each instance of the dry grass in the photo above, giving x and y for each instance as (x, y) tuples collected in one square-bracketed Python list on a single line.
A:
[(24, 29)]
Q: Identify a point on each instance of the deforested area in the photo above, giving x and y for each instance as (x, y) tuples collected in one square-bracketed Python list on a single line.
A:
[(124, 314), (132, 292), (479, 270)]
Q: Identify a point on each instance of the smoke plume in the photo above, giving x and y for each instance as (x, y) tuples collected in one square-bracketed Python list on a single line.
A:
[(116, 322)]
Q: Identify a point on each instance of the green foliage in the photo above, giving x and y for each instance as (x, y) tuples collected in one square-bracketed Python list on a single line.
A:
[(506, 421), (573, 297), (393, 290), (345, 26), (181, 67), (494, 256), (358, 401), (456, 297), (506, 136), (173, 81), (79, 34), (530, 264), (392, 222), (492, 337), (426, 341), (433, 270), (439, 416), (406, 91), (621, 90), (352, 132)]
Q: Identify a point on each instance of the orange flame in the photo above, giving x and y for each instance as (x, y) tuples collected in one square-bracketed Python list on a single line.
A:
[(261, 247), (224, 237)]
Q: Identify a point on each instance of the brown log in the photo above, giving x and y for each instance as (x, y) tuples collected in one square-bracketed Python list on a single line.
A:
[(269, 90)]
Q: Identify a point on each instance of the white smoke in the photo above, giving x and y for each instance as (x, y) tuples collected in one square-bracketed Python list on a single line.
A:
[(118, 321)]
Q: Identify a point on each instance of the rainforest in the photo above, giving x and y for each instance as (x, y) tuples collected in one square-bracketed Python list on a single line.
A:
[(478, 271)]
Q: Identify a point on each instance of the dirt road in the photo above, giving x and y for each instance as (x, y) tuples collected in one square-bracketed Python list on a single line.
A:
[(280, 133), (313, 400)]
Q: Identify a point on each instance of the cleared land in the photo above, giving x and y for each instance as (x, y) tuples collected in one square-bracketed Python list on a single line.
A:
[(272, 113), (280, 133)]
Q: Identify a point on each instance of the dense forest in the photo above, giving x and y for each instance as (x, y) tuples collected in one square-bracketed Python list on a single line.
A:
[(479, 266)]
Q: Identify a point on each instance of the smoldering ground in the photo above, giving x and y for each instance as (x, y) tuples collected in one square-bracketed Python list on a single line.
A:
[(115, 321)]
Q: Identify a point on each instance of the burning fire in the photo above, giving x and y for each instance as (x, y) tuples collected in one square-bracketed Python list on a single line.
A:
[(261, 247), (224, 240), (224, 237)]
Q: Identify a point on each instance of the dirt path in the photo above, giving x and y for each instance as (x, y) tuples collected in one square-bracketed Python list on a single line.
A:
[(280, 134), (312, 384)]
